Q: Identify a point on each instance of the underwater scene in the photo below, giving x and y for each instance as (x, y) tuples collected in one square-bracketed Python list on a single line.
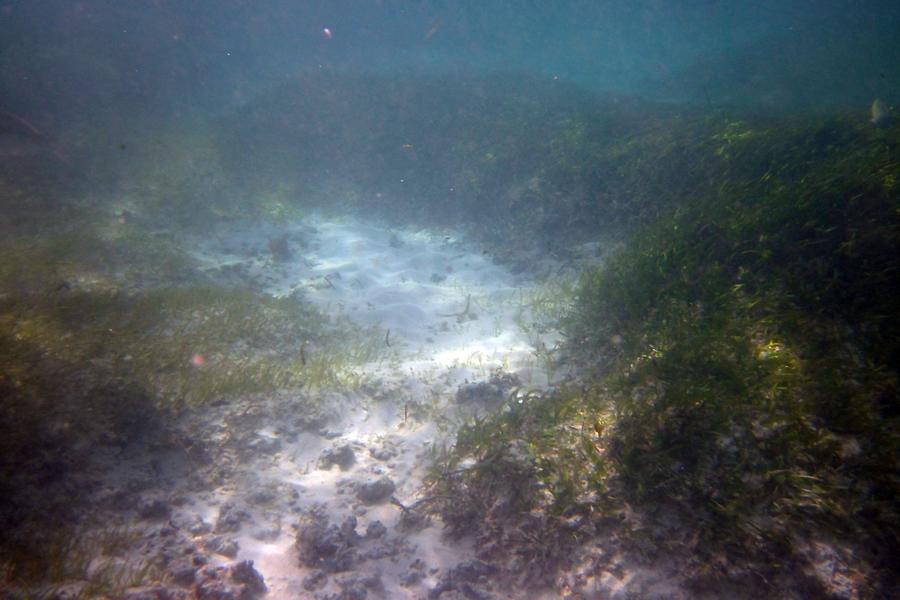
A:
[(446, 300)]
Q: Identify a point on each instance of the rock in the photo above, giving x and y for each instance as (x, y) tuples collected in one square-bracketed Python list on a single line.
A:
[(229, 548), (472, 570), (358, 586), (238, 582), (342, 456), (376, 491), (155, 509), (183, 575), (315, 580), (375, 530), (490, 392), (349, 593), (327, 547), (180, 500), (418, 565), (373, 583), (199, 526), (261, 496), (330, 434), (199, 560), (461, 577), (249, 577), (310, 419), (384, 454), (213, 586), (280, 249), (167, 531), (267, 534), (482, 392), (411, 578), (230, 518), (503, 380), (389, 548), (468, 592), (222, 545)]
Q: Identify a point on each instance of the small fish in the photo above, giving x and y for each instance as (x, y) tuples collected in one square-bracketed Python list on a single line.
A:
[(326, 33), (880, 111), (433, 30)]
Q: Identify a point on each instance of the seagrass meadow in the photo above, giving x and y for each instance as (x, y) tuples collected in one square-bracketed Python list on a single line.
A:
[(740, 352)]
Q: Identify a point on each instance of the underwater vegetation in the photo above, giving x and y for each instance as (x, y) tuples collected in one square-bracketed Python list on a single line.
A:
[(104, 291), (741, 351), (81, 564), (107, 332)]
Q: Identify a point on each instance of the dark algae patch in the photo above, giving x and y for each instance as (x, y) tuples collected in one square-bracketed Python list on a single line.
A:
[(738, 403)]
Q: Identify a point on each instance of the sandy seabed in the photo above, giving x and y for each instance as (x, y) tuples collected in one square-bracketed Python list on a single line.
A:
[(454, 326)]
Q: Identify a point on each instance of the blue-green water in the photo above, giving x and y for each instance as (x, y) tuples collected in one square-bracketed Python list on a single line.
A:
[(484, 299), (78, 58)]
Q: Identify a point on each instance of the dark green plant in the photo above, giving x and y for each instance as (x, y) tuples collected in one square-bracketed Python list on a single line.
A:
[(745, 354)]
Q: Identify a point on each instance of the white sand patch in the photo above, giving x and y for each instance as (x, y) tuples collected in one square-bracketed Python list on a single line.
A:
[(439, 301)]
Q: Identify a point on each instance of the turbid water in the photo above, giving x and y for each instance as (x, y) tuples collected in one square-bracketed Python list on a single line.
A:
[(376, 299)]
